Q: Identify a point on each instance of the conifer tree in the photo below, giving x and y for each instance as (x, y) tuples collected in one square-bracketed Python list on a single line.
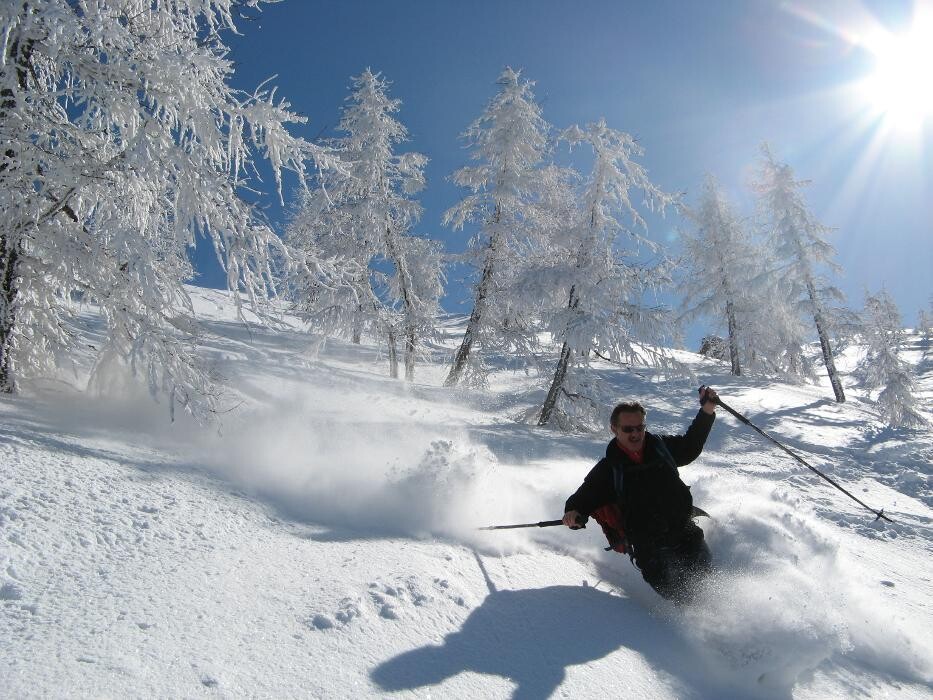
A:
[(509, 141), (925, 329), (590, 257), (720, 262), (363, 212), (799, 248), (882, 367)]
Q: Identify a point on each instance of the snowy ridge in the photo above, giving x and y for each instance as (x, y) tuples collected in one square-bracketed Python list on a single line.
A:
[(321, 542)]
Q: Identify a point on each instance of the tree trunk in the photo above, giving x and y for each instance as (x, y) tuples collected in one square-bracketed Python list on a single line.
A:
[(19, 56), (556, 384), (733, 339), (476, 317), (404, 278), (824, 345), (393, 354), (357, 326), (410, 355), (7, 313), (563, 364)]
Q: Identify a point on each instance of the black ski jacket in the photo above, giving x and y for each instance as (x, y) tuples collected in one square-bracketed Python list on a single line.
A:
[(653, 499)]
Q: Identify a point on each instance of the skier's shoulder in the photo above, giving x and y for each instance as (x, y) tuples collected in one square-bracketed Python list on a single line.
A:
[(603, 466), (612, 451)]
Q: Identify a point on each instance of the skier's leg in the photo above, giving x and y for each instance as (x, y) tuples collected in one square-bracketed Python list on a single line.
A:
[(694, 552), (674, 570), (657, 567), (691, 563)]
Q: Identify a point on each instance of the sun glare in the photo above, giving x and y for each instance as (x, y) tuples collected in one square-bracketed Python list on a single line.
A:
[(901, 86)]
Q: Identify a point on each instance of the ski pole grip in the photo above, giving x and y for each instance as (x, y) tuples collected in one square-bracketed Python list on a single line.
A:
[(703, 398)]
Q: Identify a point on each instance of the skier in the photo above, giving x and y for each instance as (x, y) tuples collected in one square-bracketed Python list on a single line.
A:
[(636, 494)]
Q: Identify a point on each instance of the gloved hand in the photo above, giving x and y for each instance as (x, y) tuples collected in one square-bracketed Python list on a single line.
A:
[(574, 520), (708, 398)]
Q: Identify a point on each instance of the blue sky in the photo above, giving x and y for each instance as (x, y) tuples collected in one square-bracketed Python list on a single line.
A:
[(700, 84)]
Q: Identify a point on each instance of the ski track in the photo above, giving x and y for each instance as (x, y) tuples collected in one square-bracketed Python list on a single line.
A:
[(139, 559)]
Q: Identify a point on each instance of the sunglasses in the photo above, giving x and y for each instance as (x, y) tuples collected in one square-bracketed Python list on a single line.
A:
[(631, 428)]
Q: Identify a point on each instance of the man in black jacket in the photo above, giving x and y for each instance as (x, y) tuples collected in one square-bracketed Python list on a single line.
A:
[(638, 479)]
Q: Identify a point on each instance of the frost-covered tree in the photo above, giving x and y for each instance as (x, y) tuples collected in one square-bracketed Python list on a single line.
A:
[(882, 367), (720, 262), (925, 328), (123, 145), (426, 261), (799, 248), (774, 335), (319, 227), (724, 279), (590, 259), (508, 141), (364, 212)]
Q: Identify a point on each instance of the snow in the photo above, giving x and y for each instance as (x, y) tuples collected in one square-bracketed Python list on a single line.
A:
[(321, 540)]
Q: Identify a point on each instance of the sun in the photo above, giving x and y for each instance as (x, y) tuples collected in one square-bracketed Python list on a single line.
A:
[(901, 86)]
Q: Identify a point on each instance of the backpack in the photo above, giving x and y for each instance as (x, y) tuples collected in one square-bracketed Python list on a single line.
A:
[(609, 518)]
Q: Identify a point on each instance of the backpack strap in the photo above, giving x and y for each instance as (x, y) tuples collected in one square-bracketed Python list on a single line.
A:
[(660, 449), (617, 478), (665, 454)]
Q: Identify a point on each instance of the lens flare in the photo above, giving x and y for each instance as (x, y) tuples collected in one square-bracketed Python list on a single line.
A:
[(902, 85)]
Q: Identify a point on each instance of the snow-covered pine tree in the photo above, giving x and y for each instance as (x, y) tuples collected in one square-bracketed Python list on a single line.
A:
[(799, 247), (509, 141), (882, 367), (364, 212), (720, 262), (319, 228), (591, 262), (925, 329), (425, 260), (774, 334), (725, 278), (123, 145)]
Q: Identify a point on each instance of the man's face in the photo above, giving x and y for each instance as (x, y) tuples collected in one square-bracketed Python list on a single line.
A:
[(629, 430)]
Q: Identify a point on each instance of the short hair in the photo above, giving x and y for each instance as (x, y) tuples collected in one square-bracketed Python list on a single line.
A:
[(627, 407)]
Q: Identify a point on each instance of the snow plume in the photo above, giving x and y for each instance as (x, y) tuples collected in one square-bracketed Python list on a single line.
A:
[(362, 472), (785, 601), (377, 462), (768, 615)]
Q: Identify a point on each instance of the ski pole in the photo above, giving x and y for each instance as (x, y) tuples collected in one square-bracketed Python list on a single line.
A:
[(543, 523), (878, 513)]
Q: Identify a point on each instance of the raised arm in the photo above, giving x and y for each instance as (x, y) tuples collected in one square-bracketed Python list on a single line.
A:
[(687, 447)]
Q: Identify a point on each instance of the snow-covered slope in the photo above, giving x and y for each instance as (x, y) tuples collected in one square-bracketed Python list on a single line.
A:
[(321, 541)]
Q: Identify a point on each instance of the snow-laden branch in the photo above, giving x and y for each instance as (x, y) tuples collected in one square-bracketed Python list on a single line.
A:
[(125, 147)]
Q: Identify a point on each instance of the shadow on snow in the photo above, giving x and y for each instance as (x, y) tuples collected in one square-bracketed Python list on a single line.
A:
[(532, 636)]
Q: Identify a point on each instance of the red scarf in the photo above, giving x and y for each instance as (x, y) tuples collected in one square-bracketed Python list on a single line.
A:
[(636, 457)]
